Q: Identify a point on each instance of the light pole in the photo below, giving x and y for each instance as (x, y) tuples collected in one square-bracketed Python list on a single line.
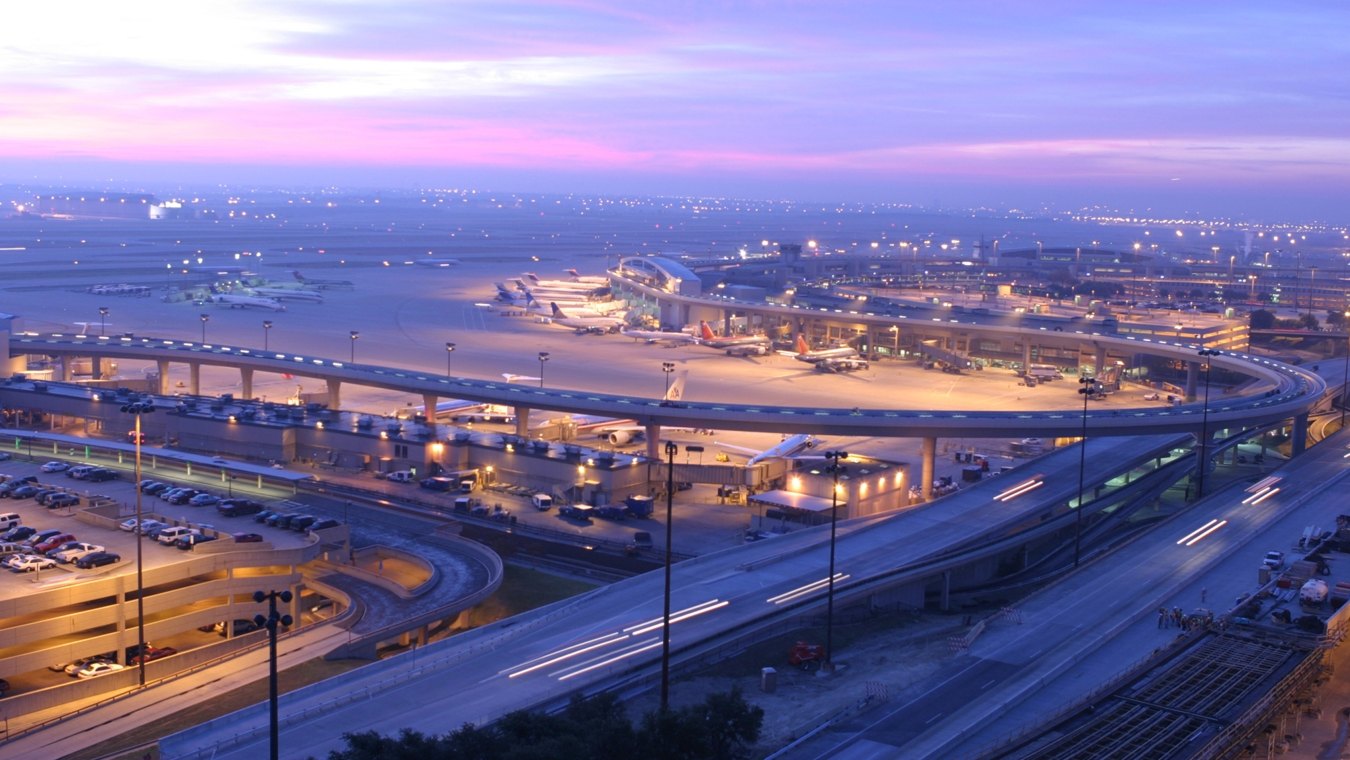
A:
[(671, 450), (354, 335), (102, 320), (667, 368), (270, 622), (895, 341), (267, 332), (449, 352), (834, 468), (136, 409), (1088, 387), (205, 318), (1204, 424), (1345, 377), (543, 357)]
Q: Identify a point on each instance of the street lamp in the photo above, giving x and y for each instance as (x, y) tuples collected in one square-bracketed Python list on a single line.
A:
[(267, 330), (834, 468), (205, 318), (1345, 377), (543, 357), (449, 352), (355, 335), (1088, 388), (1204, 424), (671, 450), (667, 368), (102, 320), (270, 622), (136, 409)]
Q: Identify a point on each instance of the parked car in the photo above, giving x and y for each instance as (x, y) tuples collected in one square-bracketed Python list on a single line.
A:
[(45, 493), (169, 535), (27, 563), (98, 668), (327, 522), (301, 522), (241, 626), (97, 559), (61, 500), (279, 519), (263, 516), (52, 543), (154, 487), (238, 507), (43, 535), (25, 491), (204, 500), (183, 496), (75, 666), (102, 474), (19, 533), (247, 538), (79, 550), (55, 466), (151, 528), (151, 654), (192, 539)]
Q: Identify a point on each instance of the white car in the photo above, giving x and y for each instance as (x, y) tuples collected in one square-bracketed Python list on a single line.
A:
[(72, 553), (98, 668), (27, 563), (54, 466)]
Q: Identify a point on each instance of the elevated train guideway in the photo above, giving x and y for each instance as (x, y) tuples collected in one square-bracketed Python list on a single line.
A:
[(1285, 393)]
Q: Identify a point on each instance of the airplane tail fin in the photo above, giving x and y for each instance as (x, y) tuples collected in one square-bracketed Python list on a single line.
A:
[(296, 273), (532, 277), (802, 348), (676, 391), (556, 311), (705, 331), (529, 299), (573, 272)]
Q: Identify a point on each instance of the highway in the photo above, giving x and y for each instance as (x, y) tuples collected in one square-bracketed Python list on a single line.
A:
[(1283, 392), (611, 634), (1093, 625)]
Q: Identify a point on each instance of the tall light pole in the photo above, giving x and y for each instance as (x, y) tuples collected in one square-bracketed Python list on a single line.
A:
[(102, 320), (1312, 281), (205, 318), (543, 357), (671, 450), (1088, 388), (834, 468), (667, 368), (1204, 424), (270, 622), (354, 335), (449, 352), (895, 341), (1345, 377), (267, 331), (136, 409)]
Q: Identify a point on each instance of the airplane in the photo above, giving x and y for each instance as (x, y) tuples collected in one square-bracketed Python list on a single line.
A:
[(583, 323), (513, 378), (584, 294), (324, 284), (656, 336), (709, 339), (576, 308), (246, 302), (619, 431), (437, 263), (785, 449), (293, 294), (594, 280), (806, 354), (458, 410), (572, 285)]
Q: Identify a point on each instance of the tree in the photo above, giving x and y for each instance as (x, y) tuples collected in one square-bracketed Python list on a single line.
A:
[(1261, 319), (1335, 318)]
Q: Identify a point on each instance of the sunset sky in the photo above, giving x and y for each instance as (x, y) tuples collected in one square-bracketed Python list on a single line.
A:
[(1238, 108)]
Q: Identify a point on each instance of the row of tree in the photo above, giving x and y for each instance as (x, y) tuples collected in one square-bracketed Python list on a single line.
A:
[(1263, 319), (722, 727)]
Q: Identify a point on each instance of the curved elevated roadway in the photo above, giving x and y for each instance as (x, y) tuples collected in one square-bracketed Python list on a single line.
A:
[(1284, 392)]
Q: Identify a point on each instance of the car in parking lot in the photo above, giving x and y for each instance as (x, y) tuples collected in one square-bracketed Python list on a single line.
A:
[(241, 626), (327, 522), (43, 494), (61, 500), (182, 495), (154, 487), (264, 515), (102, 474), (19, 533), (238, 507), (75, 666), (28, 563), (279, 519), (169, 535), (53, 542), (73, 552), (192, 539), (26, 491), (247, 538), (97, 559), (152, 653), (301, 522), (43, 535), (204, 500), (55, 466), (153, 528), (98, 668)]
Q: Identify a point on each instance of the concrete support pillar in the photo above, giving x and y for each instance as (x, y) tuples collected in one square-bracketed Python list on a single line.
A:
[(1298, 440), (1026, 356), (422, 635), (96, 367), (1192, 379), (929, 454), (163, 366), (946, 602), (335, 394), (726, 323), (1098, 361), (67, 363), (246, 382), (522, 421), (195, 378), (653, 434), (429, 401)]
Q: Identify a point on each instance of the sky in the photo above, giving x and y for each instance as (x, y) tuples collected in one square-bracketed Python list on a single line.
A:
[(1238, 108)]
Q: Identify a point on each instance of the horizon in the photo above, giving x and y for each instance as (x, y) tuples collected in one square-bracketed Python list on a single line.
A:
[(1151, 109)]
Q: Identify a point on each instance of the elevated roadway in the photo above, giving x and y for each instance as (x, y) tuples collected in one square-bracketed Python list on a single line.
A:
[(613, 634)]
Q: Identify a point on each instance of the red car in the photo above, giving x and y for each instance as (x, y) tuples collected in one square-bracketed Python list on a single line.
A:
[(153, 653), (52, 543)]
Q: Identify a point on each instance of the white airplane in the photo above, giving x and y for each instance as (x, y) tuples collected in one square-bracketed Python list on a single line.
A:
[(436, 263), (593, 280), (709, 339), (572, 285), (513, 378), (583, 323), (290, 294), (470, 411), (657, 336), (618, 431), (575, 308), (247, 302), (785, 449), (582, 295), (324, 284), (806, 354)]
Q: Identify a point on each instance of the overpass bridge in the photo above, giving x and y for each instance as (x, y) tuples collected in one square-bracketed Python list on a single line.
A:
[(1281, 393)]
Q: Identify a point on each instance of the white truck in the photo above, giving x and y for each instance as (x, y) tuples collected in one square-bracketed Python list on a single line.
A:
[(1313, 592)]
